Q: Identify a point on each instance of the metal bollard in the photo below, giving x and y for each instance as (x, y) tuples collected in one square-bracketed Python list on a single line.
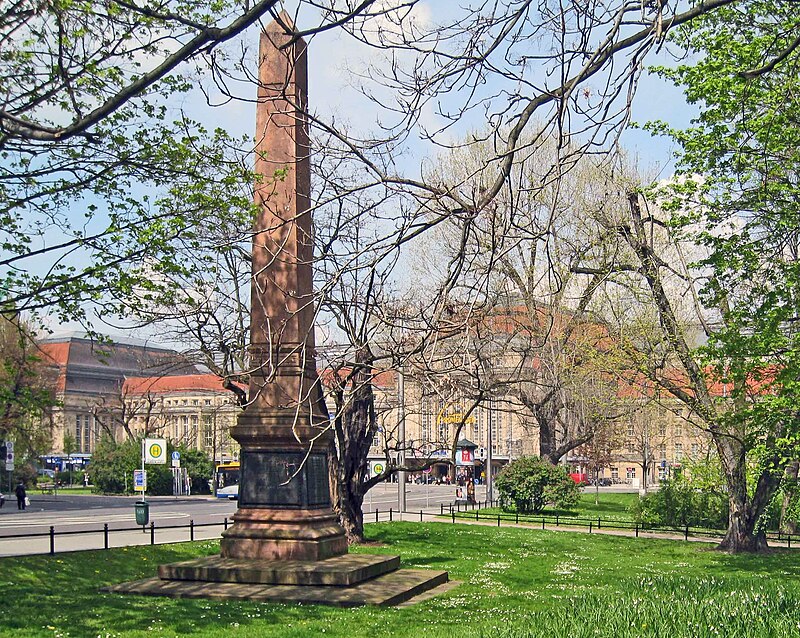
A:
[(590, 527), (637, 530), (498, 520), (152, 533), (191, 529), (420, 516), (542, 522), (516, 517), (376, 514), (598, 522), (556, 520), (453, 514), (105, 535), (390, 514), (52, 540), (686, 534), (225, 523)]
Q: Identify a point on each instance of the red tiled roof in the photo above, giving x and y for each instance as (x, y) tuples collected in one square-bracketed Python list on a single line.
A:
[(56, 355), (179, 383)]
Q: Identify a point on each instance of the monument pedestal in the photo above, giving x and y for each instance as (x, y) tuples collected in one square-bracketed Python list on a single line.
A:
[(283, 535), (349, 580)]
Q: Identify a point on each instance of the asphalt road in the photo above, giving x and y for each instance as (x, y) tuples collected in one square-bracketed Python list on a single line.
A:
[(72, 513), (78, 521)]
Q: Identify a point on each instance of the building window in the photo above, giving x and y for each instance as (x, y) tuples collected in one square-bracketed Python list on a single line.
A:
[(208, 401), (193, 433), (87, 435), (195, 402), (495, 424), (208, 431), (630, 473), (427, 419), (695, 450), (662, 429), (678, 430), (630, 429), (631, 446), (663, 451), (615, 474), (78, 432), (678, 451)]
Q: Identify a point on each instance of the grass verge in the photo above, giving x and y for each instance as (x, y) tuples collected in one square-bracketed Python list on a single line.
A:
[(516, 583)]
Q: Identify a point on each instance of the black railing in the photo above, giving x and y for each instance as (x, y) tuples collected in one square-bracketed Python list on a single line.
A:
[(473, 511), (52, 533), (456, 512)]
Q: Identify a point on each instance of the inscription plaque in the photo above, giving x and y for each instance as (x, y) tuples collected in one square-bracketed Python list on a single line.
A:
[(283, 480)]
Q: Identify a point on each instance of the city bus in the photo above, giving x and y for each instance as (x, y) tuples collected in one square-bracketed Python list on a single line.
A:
[(226, 480)]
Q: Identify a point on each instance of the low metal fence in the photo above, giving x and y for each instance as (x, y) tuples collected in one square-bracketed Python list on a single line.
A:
[(456, 512), (474, 511), (106, 531)]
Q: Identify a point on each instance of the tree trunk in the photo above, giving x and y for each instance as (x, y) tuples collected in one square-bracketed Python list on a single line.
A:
[(351, 514), (790, 480), (741, 535), (355, 426), (744, 512)]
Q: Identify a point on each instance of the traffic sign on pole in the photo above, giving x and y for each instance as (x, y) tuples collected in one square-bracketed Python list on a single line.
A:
[(139, 480), (10, 456), (155, 451)]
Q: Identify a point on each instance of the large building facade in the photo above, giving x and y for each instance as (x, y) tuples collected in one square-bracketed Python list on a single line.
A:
[(126, 389)]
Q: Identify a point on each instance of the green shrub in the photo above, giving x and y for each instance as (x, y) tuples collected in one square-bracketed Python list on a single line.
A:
[(678, 503), (529, 483), (112, 466)]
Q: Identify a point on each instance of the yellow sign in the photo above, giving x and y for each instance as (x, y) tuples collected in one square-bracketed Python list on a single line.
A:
[(155, 451), (454, 418)]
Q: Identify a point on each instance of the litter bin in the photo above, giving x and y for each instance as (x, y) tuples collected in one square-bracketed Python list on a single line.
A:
[(142, 512)]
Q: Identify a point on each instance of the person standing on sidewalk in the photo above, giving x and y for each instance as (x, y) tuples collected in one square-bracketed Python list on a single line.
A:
[(21, 494)]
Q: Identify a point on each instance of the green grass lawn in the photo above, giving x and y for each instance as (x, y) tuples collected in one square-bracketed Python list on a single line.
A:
[(610, 506), (515, 583)]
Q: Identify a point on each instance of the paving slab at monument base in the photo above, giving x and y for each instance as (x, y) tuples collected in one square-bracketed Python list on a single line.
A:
[(349, 580)]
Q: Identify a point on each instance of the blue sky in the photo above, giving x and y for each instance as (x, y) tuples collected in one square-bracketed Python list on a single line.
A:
[(332, 57)]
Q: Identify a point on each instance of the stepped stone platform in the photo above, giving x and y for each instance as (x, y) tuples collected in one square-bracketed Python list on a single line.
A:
[(349, 580)]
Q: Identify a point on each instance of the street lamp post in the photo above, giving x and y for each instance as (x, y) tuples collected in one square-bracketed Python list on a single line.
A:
[(489, 480), (401, 453)]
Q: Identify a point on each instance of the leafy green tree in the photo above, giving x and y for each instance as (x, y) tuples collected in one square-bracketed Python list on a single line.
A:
[(26, 391), (529, 483), (745, 146)]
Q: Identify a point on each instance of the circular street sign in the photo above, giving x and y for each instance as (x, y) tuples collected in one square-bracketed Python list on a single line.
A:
[(155, 450), (176, 456), (377, 468)]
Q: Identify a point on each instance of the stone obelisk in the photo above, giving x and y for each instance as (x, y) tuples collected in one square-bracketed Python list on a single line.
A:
[(284, 498)]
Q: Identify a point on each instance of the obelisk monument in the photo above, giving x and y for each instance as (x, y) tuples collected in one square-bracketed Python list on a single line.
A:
[(284, 497)]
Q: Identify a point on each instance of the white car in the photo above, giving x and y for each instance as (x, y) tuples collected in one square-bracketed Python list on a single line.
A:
[(230, 492)]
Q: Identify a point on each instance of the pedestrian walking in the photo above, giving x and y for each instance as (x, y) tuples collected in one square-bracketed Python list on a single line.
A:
[(21, 495)]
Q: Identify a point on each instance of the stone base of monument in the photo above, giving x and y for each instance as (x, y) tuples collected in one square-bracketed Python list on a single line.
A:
[(349, 580)]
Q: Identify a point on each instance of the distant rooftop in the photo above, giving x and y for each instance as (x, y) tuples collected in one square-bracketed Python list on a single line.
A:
[(63, 336)]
